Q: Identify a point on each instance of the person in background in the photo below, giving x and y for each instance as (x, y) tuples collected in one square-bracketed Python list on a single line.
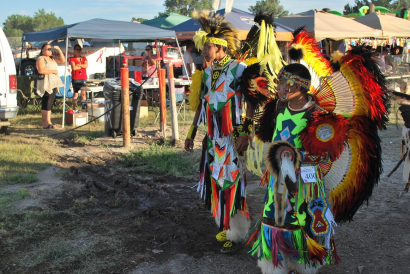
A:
[(188, 60), (47, 87), (148, 63), (79, 67), (397, 50), (388, 59)]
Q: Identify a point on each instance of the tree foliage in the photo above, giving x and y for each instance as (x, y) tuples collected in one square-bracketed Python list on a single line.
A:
[(185, 7), (392, 5), (269, 6), (399, 4), (138, 19), (16, 24)]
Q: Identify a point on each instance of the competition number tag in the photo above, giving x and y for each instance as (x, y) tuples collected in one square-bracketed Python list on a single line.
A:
[(308, 174)]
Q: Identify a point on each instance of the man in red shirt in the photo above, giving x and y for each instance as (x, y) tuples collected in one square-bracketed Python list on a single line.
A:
[(79, 67)]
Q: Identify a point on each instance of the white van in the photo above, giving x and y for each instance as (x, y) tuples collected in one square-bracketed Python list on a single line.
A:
[(8, 84)]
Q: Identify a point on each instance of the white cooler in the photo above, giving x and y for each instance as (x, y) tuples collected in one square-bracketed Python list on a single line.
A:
[(96, 108)]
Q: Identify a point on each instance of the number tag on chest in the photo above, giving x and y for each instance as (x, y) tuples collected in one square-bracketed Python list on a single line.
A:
[(308, 174)]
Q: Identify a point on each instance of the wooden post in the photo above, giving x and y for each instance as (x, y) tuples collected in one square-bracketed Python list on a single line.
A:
[(174, 115), (125, 107), (163, 104)]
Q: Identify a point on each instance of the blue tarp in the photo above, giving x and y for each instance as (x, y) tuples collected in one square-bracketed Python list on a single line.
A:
[(241, 20), (101, 29)]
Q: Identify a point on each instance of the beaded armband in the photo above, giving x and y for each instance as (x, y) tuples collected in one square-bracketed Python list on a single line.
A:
[(192, 132), (247, 128)]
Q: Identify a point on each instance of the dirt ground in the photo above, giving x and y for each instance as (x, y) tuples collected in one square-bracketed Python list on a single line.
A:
[(155, 224)]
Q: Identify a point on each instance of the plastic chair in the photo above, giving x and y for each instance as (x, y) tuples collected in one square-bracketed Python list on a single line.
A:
[(180, 98)]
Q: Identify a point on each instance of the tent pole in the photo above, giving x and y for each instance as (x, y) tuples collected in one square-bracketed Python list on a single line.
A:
[(183, 62), (115, 56), (21, 57), (65, 79), (119, 50)]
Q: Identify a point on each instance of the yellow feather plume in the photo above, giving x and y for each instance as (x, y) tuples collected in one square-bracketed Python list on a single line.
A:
[(336, 57), (195, 88), (199, 39)]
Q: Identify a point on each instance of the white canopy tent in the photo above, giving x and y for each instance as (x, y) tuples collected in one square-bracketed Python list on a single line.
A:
[(326, 25), (390, 26)]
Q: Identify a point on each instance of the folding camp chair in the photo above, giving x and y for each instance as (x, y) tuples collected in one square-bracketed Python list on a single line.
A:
[(180, 98)]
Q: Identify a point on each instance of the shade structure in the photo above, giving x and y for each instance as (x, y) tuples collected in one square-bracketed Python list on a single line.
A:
[(389, 25), (166, 22), (241, 20), (101, 29), (326, 25)]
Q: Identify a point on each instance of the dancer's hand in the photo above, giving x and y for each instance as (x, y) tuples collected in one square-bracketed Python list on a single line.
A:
[(189, 145), (242, 144)]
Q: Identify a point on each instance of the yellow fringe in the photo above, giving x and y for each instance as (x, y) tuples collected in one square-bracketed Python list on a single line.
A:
[(251, 61), (268, 52), (195, 88)]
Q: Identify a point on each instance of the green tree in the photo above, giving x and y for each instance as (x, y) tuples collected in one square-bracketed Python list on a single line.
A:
[(399, 4), (16, 25), (138, 19), (360, 3), (43, 20), (269, 6), (161, 14), (185, 7)]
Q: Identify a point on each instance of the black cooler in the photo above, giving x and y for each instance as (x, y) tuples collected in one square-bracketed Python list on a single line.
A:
[(113, 118)]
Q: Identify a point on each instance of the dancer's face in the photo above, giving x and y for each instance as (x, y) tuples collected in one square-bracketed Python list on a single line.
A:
[(287, 92), (209, 52)]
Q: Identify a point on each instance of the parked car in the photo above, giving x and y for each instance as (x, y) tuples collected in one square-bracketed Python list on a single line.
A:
[(8, 84)]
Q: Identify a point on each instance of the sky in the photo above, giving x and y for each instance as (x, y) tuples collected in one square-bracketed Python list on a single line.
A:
[(74, 11)]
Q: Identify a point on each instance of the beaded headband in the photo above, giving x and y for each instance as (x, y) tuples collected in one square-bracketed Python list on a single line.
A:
[(216, 41), (295, 79)]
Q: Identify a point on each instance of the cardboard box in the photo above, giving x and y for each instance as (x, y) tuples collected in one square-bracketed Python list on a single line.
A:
[(144, 109), (76, 119)]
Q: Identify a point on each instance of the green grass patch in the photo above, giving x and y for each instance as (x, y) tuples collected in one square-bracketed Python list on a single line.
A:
[(89, 137), (81, 249), (21, 158), (159, 160), (6, 199)]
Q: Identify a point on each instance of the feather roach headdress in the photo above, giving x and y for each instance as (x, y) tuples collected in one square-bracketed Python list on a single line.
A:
[(216, 30)]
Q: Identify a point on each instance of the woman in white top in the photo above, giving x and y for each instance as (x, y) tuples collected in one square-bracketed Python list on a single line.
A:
[(47, 88)]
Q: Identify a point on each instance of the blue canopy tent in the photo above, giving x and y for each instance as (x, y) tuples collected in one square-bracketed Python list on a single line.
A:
[(100, 29), (241, 20)]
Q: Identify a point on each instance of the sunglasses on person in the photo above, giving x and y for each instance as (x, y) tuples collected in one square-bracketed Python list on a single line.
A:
[(77, 49), (148, 49), (49, 49)]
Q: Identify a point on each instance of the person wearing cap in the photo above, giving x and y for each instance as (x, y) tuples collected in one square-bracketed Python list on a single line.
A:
[(79, 65)]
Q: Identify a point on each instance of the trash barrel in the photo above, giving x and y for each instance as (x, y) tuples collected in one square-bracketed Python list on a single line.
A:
[(113, 118)]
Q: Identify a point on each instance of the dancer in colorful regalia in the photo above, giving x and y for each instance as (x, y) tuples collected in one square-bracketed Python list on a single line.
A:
[(219, 95), (324, 156)]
